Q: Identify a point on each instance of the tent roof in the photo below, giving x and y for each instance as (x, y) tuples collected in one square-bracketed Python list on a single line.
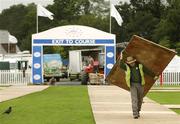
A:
[(174, 65), (73, 32), (12, 39)]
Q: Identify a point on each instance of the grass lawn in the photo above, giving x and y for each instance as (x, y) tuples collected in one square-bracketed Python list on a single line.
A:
[(55, 105), (166, 98)]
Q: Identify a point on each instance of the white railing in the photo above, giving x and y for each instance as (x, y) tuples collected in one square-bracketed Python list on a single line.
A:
[(14, 77), (169, 78)]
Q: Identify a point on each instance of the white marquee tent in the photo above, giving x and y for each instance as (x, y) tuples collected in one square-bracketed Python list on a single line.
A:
[(174, 65), (71, 35)]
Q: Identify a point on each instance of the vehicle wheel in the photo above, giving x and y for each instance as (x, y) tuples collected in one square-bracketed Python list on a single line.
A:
[(58, 79), (79, 77), (66, 75), (84, 78)]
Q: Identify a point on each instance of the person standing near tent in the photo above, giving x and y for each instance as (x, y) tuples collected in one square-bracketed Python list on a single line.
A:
[(134, 76), (90, 61)]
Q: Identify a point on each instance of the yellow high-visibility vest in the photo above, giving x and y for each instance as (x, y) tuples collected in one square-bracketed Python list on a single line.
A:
[(128, 75)]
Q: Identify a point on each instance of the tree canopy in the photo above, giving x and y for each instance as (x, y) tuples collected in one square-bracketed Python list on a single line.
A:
[(156, 20)]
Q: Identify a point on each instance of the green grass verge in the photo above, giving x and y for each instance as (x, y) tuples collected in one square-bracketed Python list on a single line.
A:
[(165, 97), (55, 105)]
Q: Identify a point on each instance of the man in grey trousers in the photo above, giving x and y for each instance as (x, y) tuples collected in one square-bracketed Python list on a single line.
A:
[(135, 80), (134, 75)]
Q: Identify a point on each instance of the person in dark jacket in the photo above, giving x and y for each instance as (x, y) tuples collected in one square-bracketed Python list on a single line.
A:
[(134, 76), (135, 80)]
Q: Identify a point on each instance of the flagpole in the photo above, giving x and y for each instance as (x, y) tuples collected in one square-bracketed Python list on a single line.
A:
[(36, 18), (110, 16)]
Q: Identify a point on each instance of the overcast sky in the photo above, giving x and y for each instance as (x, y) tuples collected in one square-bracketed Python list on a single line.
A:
[(7, 3)]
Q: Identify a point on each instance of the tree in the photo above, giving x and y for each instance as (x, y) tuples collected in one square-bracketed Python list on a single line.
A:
[(69, 9), (169, 26), (20, 20), (12, 19), (165, 42), (152, 19), (138, 18), (93, 21), (178, 48), (100, 8), (142, 24)]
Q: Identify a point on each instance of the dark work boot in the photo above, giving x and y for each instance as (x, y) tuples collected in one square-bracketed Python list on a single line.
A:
[(135, 117)]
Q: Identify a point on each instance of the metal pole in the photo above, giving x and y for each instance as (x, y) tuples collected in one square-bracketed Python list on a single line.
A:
[(161, 79), (110, 16), (8, 44), (36, 18)]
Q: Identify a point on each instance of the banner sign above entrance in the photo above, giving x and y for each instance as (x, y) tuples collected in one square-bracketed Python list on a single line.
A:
[(73, 41)]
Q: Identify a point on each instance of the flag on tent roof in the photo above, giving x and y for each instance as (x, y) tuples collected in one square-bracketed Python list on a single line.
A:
[(116, 15), (41, 11)]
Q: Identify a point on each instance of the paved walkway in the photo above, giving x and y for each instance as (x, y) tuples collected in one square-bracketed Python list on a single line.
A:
[(17, 91), (112, 105)]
